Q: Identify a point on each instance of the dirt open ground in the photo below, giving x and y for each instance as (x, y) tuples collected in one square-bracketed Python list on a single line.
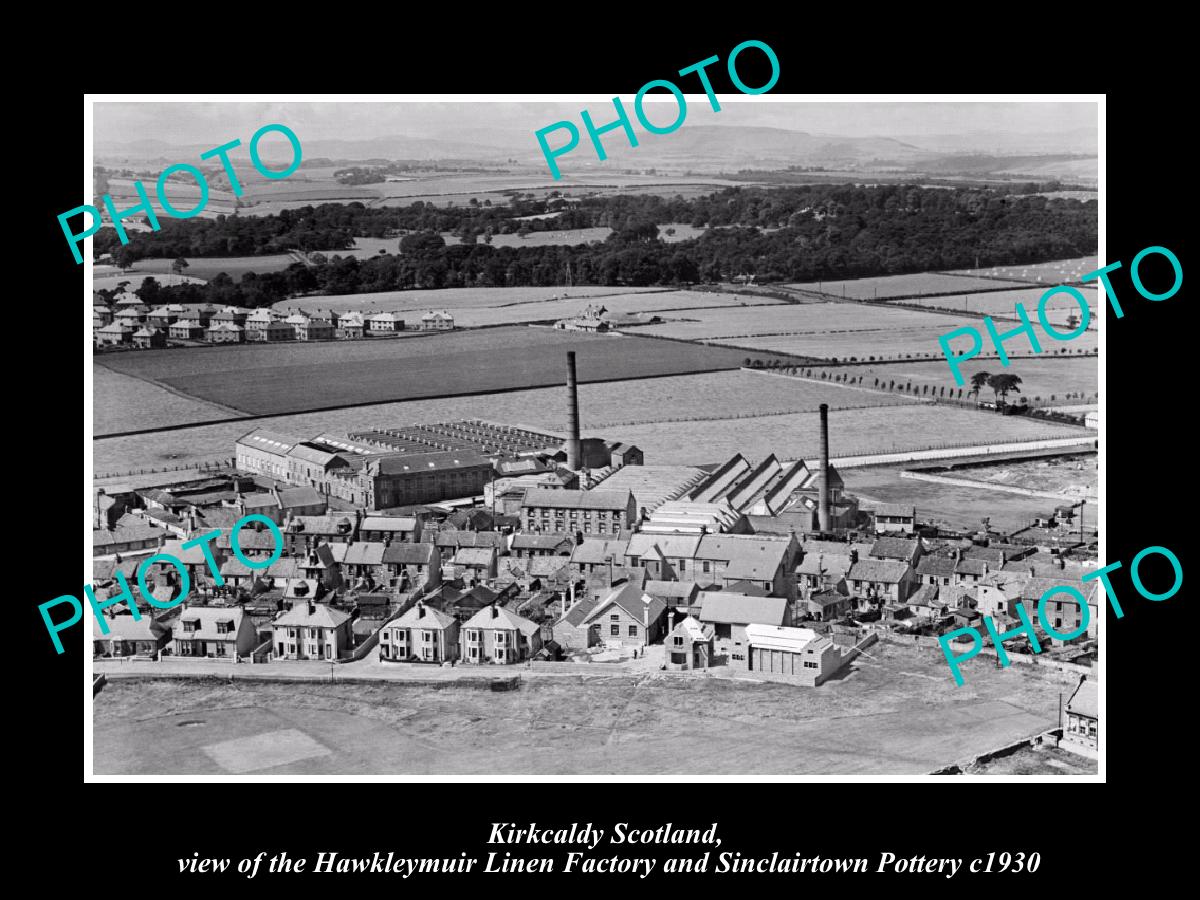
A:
[(895, 712)]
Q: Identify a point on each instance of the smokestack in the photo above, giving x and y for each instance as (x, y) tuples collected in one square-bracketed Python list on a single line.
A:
[(573, 444), (823, 512)]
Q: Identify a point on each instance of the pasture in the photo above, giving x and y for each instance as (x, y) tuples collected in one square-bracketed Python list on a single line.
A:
[(125, 403), (1039, 377), (202, 268), (888, 286), (1002, 304), (886, 343), (275, 379), (815, 319), (1059, 271), (604, 408), (511, 306)]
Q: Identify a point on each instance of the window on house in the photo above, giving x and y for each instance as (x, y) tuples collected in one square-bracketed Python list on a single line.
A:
[(614, 630), (633, 631), (292, 649), (707, 566), (634, 560), (474, 653), (190, 625), (678, 642), (615, 617)]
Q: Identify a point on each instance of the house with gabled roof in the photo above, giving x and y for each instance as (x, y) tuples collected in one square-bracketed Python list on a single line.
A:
[(881, 581), (422, 634), (729, 614), (311, 630), (1081, 719), (412, 564), (404, 529), (128, 636), (528, 544), (437, 320), (213, 631), (628, 617), (903, 549), (498, 636), (690, 645)]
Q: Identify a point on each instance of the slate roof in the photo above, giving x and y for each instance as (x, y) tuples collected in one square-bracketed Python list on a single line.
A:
[(885, 571), (1085, 701), (895, 509), (530, 541), (388, 523), (633, 600), (579, 612), (492, 617), (207, 618), (432, 618), (364, 553), (692, 629), (594, 550), (322, 616), (403, 554), (476, 556), (552, 498), (894, 548), (938, 566), (738, 609)]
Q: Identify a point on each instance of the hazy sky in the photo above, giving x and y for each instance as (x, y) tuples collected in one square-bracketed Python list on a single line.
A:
[(485, 122)]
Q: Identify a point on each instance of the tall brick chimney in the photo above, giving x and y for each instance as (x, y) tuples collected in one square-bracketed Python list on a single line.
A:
[(823, 511), (574, 452)]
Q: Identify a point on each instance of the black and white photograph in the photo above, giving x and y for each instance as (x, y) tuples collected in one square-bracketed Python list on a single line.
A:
[(538, 438)]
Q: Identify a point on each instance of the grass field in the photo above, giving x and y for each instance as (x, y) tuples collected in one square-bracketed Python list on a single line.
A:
[(1002, 304), (893, 343), (953, 506), (603, 408), (474, 307), (202, 268), (1039, 377), (886, 286), (1057, 271), (276, 379), (897, 712), (810, 319), (124, 403)]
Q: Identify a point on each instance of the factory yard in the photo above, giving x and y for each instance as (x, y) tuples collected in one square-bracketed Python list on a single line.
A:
[(897, 712)]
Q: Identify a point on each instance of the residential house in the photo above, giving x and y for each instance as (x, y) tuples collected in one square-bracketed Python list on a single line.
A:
[(498, 636), (130, 533), (628, 617), (349, 326), (528, 544), (299, 501), (676, 594), (384, 323), (319, 565), (214, 631), (437, 320), (187, 330), (574, 631), (231, 315), (729, 614), (422, 634), (148, 338), (766, 560), (364, 559), (412, 565), (114, 335), (477, 563), (903, 549), (128, 636), (827, 605), (881, 582), (1081, 725), (256, 324), (690, 645), (225, 333), (665, 557), (305, 532), (936, 571), (315, 330), (598, 555), (312, 630), (397, 529)]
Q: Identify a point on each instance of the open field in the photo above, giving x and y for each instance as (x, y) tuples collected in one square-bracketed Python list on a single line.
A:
[(603, 408), (1057, 271), (275, 379), (894, 343), (898, 712), (1039, 377), (563, 238), (475, 307), (124, 403), (1002, 304), (1075, 478), (953, 506), (806, 319), (885, 286), (200, 268)]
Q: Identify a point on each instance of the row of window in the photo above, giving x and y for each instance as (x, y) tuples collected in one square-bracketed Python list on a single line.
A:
[(615, 630)]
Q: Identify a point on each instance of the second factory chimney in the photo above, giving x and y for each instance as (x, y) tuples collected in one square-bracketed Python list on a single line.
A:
[(823, 510), (574, 452)]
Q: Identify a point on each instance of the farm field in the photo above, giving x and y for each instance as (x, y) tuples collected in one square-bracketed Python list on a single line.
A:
[(278, 379), (886, 286), (108, 278), (603, 408), (816, 319), (1039, 377), (489, 306), (893, 343), (898, 712), (1057, 271), (953, 506), (1002, 304), (200, 268), (124, 403)]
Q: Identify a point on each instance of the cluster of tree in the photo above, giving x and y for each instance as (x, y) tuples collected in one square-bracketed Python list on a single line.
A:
[(1002, 385)]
